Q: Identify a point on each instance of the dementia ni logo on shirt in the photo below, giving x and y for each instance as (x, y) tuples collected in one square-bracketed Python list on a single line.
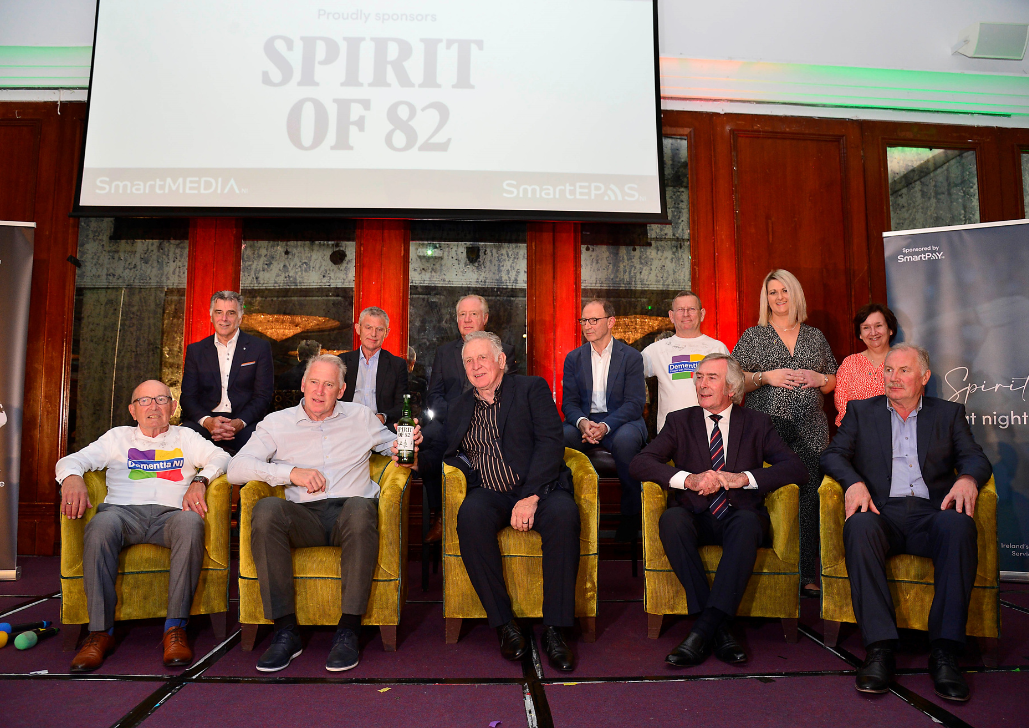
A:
[(683, 365), (164, 464)]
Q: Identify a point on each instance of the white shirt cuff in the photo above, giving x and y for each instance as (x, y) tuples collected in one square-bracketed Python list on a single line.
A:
[(679, 480), (202, 420), (579, 420), (750, 477)]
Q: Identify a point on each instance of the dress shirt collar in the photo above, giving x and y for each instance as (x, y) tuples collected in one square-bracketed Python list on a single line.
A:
[(231, 342), (724, 414), (374, 358), (337, 411), (496, 393), (915, 411), (607, 349)]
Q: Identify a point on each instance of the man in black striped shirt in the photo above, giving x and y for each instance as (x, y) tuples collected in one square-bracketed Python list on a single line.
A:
[(505, 434)]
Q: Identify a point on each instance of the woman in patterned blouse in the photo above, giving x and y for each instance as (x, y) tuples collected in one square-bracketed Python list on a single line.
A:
[(788, 367), (861, 375)]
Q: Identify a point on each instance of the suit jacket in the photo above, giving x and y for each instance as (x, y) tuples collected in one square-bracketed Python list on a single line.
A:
[(448, 380), (390, 382), (626, 388), (530, 433), (753, 441), (862, 450), (251, 379)]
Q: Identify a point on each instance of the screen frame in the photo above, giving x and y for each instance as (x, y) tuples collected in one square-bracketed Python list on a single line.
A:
[(79, 210)]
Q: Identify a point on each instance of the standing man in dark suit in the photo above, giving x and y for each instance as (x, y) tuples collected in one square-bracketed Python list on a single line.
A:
[(911, 472), (505, 435), (447, 382), (228, 378), (375, 378), (603, 393), (719, 487)]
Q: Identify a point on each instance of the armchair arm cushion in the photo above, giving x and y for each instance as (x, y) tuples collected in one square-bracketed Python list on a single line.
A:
[(252, 492), (216, 524), (73, 531), (831, 517), (393, 481), (985, 517), (783, 506), (585, 485), (455, 487)]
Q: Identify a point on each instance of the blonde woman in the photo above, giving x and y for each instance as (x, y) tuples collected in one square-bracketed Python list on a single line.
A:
[(788, 367)]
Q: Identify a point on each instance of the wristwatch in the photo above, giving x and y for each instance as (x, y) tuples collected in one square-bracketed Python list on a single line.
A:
[(200, 479)]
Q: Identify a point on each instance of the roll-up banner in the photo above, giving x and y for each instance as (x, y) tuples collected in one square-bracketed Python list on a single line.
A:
[(15, 286), (963, 293)]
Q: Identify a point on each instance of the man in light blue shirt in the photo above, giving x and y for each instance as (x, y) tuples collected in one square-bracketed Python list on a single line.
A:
[(907, 475)]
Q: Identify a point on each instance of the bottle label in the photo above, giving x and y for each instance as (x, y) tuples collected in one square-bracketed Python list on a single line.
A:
[(405, 438)]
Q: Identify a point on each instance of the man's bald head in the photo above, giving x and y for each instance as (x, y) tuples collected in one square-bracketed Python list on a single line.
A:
[(150, 388), (153, 417)]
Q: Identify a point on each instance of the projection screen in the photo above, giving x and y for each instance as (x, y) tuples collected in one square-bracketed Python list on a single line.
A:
[(499, 108)]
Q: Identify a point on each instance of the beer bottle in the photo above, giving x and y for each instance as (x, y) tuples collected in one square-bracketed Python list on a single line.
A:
[(405, 434)]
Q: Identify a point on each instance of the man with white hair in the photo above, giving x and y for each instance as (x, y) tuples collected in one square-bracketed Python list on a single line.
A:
[(157, 474), (227, 378), (505, 435), (319, 450), (375, 377), (911, 472), (718, 491)]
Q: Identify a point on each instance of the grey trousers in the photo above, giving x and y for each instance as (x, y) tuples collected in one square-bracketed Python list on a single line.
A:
[(115, 527), (278, 526)]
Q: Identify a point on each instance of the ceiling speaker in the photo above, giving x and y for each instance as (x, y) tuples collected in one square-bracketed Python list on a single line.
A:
[(1005, 41)]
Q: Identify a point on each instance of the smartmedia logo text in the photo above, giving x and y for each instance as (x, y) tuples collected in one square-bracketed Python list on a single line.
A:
[(570, 191), (167, 186)]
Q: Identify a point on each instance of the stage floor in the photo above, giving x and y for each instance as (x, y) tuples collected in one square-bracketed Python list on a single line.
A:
[(621, 680)]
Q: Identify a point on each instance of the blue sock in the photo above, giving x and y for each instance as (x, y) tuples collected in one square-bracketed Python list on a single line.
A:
[(111, 631), (169, 623)]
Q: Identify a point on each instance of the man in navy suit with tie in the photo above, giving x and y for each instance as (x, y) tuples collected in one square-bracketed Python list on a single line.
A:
[(718, 487), (228, 379), (603, 393)]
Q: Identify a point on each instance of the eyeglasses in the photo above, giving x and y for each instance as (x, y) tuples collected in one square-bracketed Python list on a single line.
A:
[(592, 321), (691, 311), (161, 399)]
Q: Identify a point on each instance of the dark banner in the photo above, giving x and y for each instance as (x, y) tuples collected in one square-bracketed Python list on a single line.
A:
[(15, 285), (963, 293)]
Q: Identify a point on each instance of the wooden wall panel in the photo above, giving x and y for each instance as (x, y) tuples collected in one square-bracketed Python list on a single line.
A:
[(382, 273), (1012, 144), (215, 256), (39, 152), (553, 299)]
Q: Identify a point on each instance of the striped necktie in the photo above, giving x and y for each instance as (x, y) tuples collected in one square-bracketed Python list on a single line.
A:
[(720, 505)]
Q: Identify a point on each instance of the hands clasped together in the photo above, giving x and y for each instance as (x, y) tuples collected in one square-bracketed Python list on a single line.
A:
[(793, 378), (315, 481), (222, 428), (712, 481), (593, 432)]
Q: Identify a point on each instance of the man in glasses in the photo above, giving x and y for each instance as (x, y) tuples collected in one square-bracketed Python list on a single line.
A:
[(157, 475), (602, 400), (674, 360)]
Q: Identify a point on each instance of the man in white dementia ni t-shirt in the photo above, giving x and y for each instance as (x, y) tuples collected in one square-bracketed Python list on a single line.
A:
[(673, 360)]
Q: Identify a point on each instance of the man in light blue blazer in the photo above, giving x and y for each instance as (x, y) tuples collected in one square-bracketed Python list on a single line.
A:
[(603, 393)]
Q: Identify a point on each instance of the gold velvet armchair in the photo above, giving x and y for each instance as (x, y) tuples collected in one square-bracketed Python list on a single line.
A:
[(911, 577), (316, 575), (523, 556), (142, 583), (774, 587)]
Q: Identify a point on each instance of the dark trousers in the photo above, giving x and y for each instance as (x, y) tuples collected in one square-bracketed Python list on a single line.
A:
[(486, 512), (623, 444), (230, 446), (430, 462), (279, 525), (740, 533), (113, 528), (911, 526)]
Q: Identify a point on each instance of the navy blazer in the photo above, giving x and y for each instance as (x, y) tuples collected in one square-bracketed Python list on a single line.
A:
[(390, 382), (448, 380), (862, 450), (530, 434), (626, 388), (753, 442), (251, 379)]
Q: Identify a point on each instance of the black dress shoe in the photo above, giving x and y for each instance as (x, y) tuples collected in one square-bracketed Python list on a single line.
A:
[(558, 652), (809, 593), (727, 649), (691, 651), (947, 678), (513, 645), (285, 646), (876, 672)]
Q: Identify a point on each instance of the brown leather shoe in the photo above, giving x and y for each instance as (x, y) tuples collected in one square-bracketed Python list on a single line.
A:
[(97, 646), (435, 534), (176, 648)]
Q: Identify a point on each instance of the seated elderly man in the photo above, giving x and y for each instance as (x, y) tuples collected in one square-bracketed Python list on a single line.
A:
[(911, 472), (157, 475), (719, 487), (505, 435), (319, 450)]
